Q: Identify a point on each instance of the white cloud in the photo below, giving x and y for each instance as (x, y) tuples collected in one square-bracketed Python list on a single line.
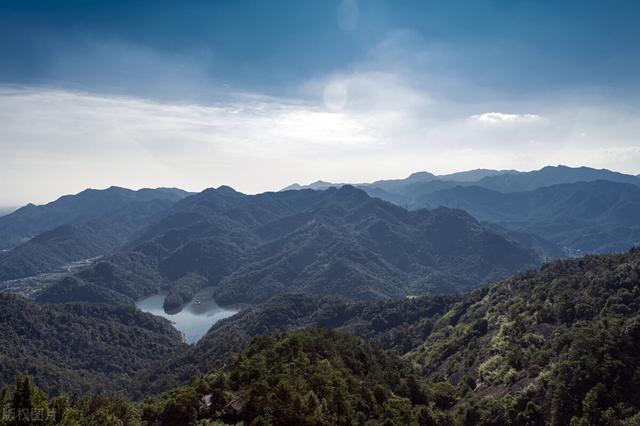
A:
[(54, 142), (502, 118), (386, 120)]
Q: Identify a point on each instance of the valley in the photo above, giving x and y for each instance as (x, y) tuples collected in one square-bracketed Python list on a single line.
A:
[(319, 213), (474, 317), (524, 348)]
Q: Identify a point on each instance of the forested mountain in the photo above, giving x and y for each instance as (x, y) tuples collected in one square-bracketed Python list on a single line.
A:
[(80, 347), (52, 249), (547, 249), (398, 325), (338, 241), (564, 338), (310, 377), (553, 346), (598, 216), (113, 205), (556, 221), (76, 227), (556, 345), (579, 210), (422, 183), (552, 175), (121, 279)]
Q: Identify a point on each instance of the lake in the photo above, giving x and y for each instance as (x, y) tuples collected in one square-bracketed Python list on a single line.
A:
[(195, 319)]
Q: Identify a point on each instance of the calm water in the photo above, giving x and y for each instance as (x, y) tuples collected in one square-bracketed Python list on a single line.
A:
[(194, 320)]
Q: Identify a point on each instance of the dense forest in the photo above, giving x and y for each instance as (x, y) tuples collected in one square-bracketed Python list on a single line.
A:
[(79, 348), (556, 346), (310, 377), (563, 338)]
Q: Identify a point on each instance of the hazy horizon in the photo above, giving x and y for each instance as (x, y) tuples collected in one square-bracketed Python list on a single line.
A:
[(258, 96), (302, 183)]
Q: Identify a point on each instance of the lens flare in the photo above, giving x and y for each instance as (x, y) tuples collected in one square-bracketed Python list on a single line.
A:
[(335, 96)]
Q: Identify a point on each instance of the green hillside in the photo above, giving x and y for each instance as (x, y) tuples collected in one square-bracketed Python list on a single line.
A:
[(78, 348), (560, 342)]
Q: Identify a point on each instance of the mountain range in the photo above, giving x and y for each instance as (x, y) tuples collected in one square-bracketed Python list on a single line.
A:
[(584, 217), (579, 210), (497, 180), (109, 206), (450, 314), (248, 248), (76, 227)]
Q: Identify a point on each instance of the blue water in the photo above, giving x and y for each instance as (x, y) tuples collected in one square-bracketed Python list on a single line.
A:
[(194, 320)]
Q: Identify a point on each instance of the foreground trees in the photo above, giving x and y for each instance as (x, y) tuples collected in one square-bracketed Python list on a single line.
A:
[(557, 346)]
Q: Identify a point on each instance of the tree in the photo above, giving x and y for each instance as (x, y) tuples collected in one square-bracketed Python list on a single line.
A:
[(30, 404)]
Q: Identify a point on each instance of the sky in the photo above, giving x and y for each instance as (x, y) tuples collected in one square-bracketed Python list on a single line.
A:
[(261, 94)]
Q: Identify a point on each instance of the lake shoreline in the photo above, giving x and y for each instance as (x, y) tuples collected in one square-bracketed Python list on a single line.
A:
[(194, 319)]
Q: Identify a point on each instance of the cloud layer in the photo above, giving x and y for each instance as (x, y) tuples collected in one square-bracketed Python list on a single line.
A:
[(504, 118), (54, 142), (390, 113)]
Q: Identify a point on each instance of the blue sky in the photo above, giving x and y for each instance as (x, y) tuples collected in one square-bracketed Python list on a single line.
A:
[(271, 46), (258, 94)]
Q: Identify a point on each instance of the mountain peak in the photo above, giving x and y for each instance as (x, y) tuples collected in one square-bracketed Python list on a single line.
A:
[(222, 190), (293, 187), (349, 188), (225, 189), (352, 192), (421, 176)]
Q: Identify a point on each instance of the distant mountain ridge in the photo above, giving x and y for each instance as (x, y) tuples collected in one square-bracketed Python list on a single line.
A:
[(465, 176), (297, 240), (90, 205), (76, 227), (500, 197), (548, 176), (498, 180), (251, 247), (590, 217)]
